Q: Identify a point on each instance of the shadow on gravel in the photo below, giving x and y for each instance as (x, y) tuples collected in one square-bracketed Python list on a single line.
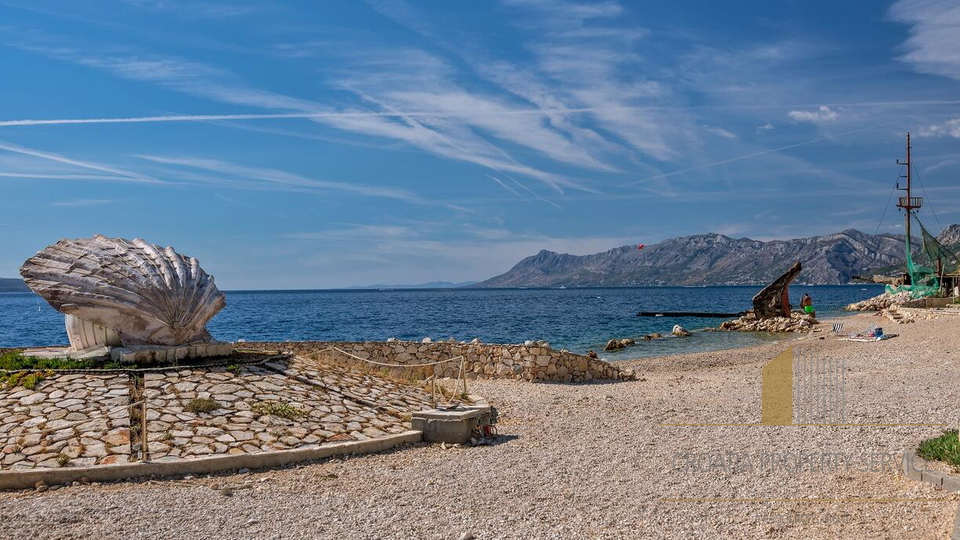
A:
[(601, 382), (495, 441)]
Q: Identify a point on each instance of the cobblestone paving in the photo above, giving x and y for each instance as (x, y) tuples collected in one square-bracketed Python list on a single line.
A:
[(330, 411), (68, 420), (358, 385), (82, 420)]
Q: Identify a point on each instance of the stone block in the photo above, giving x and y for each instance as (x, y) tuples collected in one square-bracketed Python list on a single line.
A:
[(951, 484), (448, 426), (932, 477)]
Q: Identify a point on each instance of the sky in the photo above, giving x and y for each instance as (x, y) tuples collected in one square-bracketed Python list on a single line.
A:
[(329, 144)]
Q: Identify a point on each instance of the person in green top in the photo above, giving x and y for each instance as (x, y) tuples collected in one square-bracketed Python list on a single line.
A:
[(806, 304)]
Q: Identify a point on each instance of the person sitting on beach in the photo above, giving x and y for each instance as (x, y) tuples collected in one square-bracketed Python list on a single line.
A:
[(806, 304)]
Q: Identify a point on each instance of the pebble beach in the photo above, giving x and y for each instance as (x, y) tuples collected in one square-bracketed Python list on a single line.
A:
[(585, 461)]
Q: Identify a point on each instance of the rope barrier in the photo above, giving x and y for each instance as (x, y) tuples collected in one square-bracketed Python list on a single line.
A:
[(461, 374), (391, 365)]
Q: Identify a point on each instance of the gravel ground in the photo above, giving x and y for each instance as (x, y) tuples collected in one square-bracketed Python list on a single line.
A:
[(581, 461)]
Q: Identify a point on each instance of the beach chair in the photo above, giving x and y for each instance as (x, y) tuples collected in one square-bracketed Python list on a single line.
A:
[(837, 327)]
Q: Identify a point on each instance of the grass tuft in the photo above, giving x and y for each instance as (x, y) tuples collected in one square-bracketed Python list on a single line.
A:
[(945, 448), (26, 380), (278, 408), (202, 405), (15, 360)]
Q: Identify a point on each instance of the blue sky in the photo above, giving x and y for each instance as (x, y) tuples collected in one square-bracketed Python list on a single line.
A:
[(327, 144)]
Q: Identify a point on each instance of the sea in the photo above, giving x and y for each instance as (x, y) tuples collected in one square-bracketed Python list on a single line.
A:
[(576, 319)]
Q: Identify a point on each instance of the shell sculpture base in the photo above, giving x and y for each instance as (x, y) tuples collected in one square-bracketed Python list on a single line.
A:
[(132, 293)]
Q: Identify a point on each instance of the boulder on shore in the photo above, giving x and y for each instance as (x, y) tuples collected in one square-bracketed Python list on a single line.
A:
[(614, 345), (680, 331), (617, 344)]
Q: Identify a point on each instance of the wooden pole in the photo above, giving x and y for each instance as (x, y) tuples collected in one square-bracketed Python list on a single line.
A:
[(144, 435)]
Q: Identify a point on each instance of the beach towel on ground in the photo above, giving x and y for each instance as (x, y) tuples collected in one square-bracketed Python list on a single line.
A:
[(874, 333)]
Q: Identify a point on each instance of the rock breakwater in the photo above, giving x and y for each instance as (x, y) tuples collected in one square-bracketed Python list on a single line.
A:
[(797, 322)]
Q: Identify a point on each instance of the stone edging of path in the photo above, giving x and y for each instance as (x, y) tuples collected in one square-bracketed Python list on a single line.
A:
[(915, 468), (23, 479)]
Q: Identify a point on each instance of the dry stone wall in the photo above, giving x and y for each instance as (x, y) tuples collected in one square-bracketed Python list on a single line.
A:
[(538, 362)]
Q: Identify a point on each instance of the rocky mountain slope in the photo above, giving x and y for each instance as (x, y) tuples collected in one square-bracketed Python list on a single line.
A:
[(715, 259)]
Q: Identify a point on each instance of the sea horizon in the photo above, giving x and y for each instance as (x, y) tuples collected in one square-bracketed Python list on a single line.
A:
[(578, 319)]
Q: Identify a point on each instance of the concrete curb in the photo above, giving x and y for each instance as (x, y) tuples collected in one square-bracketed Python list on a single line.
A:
[(106, 473), (915, 468)]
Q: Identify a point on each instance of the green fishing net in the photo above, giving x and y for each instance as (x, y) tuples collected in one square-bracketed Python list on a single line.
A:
[(923, 279)]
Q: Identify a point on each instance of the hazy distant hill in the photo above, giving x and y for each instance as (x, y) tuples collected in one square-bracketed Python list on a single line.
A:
[(715, 259), (428, 285), (13, 285)]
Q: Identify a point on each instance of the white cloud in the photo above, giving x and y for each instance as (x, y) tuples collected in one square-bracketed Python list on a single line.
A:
[(282, 178), (416, 103), (82, 202), (118, 173), (821, 115), (949, 128), (934, 43), (583, 62), (720, 132), (357, 232), (765, 127)]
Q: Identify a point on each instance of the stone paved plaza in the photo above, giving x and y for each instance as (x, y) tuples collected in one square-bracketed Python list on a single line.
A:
[(323, 411), (67, 420), (83, 419)]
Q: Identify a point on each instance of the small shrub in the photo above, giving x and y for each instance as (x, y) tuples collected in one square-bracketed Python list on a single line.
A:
[(234, 368), (63, 460), (278, 408), (26, 380), (202, 405)]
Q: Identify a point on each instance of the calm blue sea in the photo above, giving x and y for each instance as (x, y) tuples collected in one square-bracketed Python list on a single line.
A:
[(575, 319)]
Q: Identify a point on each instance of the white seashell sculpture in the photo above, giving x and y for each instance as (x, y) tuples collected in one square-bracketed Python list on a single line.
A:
[(86, 336), (146, 294)]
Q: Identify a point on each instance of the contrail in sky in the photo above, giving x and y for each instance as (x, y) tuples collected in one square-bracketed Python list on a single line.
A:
[(438, 114)]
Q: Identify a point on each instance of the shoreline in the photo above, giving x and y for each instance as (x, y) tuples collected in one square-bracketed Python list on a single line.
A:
[(792, 338), (767, 339), (610, 453)]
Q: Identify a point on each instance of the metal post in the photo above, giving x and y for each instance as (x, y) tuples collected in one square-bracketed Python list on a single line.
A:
[(909, 202)]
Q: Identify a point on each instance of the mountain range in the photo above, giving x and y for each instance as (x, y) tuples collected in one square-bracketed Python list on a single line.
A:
[(716, 259), (13, 285), (703, 259)]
